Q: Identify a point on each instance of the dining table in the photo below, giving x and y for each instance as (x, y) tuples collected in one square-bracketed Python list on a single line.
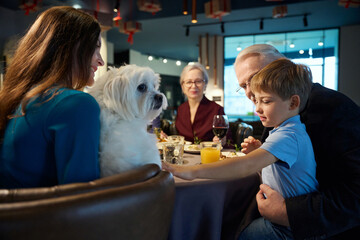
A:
[(212, 209)]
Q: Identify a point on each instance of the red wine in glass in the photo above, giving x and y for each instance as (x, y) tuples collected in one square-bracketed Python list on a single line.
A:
[(220, 132), (220, 126)]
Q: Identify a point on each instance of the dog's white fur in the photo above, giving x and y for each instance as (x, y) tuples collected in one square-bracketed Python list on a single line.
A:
[(128, 97)]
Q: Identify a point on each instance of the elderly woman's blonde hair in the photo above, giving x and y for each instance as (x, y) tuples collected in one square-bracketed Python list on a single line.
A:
[(197, 66)]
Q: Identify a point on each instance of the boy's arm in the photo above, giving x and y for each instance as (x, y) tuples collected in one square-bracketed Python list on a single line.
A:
[(229, 168)]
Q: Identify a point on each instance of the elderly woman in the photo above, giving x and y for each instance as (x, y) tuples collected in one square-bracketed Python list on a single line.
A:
[(195, 116)]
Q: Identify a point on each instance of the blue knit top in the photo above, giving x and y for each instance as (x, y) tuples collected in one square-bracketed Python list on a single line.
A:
[(55, 142)]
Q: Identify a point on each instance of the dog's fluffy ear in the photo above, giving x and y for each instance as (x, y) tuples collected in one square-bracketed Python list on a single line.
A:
[(157, 81), (117, 96)]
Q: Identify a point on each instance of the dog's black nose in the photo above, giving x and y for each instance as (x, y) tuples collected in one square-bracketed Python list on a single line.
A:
[(158, 99)]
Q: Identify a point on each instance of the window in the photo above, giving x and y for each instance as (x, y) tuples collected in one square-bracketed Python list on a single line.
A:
[(317, 49)]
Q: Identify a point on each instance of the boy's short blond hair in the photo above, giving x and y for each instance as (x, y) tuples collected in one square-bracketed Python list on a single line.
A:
[(284, 78)]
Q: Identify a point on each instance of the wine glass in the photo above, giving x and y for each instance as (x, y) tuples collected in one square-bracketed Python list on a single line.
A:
[(220, 126)]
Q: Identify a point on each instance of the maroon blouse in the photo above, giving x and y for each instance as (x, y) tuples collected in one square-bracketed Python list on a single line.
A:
[(202, 126)]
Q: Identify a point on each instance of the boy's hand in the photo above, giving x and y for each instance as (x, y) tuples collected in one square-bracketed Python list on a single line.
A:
[(250, 144)]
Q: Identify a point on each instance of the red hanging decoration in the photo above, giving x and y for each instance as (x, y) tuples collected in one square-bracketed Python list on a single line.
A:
[(105, 19), (279, 11), (97, 9), (30, 5), (217, 8), (117, 19), (152, 6), (349, 3), (130, 28)]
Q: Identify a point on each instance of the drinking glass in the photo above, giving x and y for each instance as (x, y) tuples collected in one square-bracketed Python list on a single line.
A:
[(173, 152), (210, 152), (220, 126)]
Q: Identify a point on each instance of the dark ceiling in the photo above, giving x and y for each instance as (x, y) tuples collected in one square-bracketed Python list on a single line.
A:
[(170, 8), (163, 33)]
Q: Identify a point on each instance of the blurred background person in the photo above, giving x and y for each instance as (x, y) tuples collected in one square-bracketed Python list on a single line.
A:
[(195, 116)]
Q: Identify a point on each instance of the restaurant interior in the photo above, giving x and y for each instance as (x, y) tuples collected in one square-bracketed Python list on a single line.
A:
[(167, 35)]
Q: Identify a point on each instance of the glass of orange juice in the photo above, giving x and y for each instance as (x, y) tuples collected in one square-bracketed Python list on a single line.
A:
[(210, 152)]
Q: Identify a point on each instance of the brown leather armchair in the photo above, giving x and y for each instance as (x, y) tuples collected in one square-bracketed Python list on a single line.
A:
[(134, 205), (243, 131), (239, 131)]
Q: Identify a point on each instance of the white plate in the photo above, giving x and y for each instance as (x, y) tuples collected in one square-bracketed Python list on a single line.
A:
[(192, 148), (160, 144), (232, 154)]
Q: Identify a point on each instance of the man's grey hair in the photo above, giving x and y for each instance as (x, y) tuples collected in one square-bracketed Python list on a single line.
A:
[(268, 53)]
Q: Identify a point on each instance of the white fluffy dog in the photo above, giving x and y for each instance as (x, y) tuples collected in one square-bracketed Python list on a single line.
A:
[(129, 100)]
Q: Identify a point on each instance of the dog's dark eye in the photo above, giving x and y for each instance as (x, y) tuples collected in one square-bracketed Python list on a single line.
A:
[(142, 87)]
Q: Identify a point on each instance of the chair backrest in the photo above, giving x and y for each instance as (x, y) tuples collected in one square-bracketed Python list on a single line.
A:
[(130, 177), (172, 129), (243, 131), (168, 127), (141, 210)]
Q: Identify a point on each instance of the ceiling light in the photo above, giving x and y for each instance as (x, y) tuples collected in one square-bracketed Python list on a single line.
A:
[(164, 60), (116, 7), (178, 63), (292, 45), (150, 58), (77, 6), (238, 49), (301, 51), (193, 17), (185, 7), (320, 43)]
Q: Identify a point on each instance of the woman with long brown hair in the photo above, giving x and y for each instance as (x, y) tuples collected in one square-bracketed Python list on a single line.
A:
[(49, 129)]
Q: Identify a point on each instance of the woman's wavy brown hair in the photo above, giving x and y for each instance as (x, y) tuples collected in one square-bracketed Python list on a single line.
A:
[(56, 52)]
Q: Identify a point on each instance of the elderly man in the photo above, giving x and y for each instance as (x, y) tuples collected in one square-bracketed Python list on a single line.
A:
[(333, 123)]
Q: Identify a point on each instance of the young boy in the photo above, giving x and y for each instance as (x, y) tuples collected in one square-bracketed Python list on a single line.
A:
[(286, 157)]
